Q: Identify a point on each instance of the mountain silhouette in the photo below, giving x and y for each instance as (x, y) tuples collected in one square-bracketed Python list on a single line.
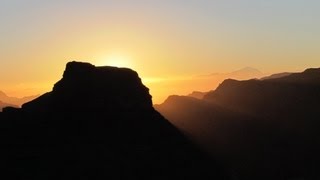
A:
[(98, 123), (14, 100), (3, 105), (197, 94), (241, 74), (277, 75), (262, 129), (247, 71), (297, 89)]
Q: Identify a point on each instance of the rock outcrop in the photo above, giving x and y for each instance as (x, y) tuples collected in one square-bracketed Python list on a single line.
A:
[(90, 88), (98, 123)]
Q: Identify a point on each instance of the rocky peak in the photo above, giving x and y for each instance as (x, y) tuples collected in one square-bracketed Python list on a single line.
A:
[(85, 86)]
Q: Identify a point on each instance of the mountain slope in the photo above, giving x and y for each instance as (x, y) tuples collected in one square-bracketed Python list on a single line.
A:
[(98, 123), (197, 94), (262, 129), (276, 76), (297, 91)]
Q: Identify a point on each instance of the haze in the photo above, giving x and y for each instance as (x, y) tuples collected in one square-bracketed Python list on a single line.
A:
[(169, 42)]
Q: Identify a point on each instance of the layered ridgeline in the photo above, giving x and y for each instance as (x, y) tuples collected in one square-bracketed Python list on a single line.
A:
[(14, 101), (262, 129), (97, 123)]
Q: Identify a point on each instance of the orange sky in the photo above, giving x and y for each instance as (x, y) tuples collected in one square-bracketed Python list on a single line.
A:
[(167, 42)]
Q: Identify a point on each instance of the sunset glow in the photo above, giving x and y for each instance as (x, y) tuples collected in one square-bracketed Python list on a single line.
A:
[(158, 39), (116, 60)]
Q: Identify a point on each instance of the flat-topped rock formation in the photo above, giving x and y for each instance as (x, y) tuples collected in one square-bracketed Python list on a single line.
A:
[(98, 123)]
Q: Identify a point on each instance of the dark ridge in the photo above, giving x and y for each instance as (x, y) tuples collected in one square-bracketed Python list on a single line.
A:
[(276, 76), (97, 123), (312, 71), (309, 76), (261, 129), (3, 105), (90, 88), (197, 94)]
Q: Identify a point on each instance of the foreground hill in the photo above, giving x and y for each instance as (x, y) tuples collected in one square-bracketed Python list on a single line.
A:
[(97, 123), (262, 129)]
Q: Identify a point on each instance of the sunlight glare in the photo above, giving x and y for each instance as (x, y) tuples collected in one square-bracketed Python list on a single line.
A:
[(117, 60)]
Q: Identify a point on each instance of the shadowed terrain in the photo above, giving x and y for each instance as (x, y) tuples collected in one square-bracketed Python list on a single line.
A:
[(3, 105), (97, 123), (261, 129)]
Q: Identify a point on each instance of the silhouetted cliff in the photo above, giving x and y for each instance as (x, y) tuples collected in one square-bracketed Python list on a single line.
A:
[(85, 87), (262, 129), (98, 123)]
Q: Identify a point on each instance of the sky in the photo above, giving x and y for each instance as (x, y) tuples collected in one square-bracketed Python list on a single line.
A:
[(163, 40)]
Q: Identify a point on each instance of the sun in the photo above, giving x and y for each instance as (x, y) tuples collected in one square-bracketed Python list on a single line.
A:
[(116, 60)]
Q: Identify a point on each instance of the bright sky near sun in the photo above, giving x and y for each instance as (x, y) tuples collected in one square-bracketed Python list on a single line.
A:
[(161, 39)]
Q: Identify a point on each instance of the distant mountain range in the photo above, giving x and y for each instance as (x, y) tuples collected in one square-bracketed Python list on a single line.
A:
[(98, 123), (275, 76), (14, 100), (262, 129), (241, 74), (244, 73), (200, 83), (197, 94)]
